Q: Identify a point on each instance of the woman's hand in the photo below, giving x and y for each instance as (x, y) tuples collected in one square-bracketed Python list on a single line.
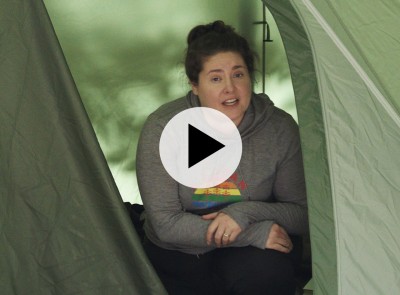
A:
[(278, 239), (223, 229)]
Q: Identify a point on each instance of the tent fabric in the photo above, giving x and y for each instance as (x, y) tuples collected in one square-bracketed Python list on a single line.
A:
[(309, 110), (343, 57), (63, 226)]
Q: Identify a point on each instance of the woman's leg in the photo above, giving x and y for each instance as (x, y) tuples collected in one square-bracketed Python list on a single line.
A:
[(249, 270), (181, 274)]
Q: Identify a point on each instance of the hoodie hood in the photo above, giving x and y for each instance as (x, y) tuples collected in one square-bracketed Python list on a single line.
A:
[(258, 113)]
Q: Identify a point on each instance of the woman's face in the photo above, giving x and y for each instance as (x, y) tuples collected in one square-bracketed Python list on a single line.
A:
[(225, 85)]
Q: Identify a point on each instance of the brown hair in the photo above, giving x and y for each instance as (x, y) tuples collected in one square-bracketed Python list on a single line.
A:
[(206, 40)]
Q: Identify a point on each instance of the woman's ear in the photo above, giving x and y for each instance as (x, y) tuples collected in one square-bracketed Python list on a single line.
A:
[(194, 88)]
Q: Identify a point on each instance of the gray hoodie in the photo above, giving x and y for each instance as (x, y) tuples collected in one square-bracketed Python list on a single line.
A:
[(268, 186)]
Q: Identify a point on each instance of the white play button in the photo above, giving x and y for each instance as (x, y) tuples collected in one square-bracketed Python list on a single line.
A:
[(200, 147)]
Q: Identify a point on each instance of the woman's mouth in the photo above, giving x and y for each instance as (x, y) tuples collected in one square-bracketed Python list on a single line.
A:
[(230, 102)]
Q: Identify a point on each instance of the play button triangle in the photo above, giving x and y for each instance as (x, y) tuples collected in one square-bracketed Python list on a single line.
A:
[(201, 145)]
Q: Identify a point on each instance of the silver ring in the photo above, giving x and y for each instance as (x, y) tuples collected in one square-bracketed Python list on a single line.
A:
[(226, 235)]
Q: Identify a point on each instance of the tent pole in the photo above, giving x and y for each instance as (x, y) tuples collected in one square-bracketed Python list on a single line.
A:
[(266, 38)]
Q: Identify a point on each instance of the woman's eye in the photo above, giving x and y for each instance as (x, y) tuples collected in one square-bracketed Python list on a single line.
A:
[(215, 79), (238, 75)]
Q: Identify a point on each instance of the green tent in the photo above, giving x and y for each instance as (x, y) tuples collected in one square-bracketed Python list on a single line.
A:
[(344, 58), (63, 226)]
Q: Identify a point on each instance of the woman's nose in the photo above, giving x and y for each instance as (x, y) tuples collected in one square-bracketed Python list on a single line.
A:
[(229, 86)]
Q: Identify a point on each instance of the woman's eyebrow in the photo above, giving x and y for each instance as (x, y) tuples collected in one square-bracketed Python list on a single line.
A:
[(238, 67), (215, 71), (220, 70)]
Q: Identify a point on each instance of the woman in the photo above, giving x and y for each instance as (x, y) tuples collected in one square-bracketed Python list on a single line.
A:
[(229, 245)]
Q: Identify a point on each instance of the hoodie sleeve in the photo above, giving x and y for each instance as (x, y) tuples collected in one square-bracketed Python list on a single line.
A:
[(166, 220), (286, 205)]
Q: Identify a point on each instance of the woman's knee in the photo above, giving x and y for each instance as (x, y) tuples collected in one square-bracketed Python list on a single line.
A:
[(254, 271)]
